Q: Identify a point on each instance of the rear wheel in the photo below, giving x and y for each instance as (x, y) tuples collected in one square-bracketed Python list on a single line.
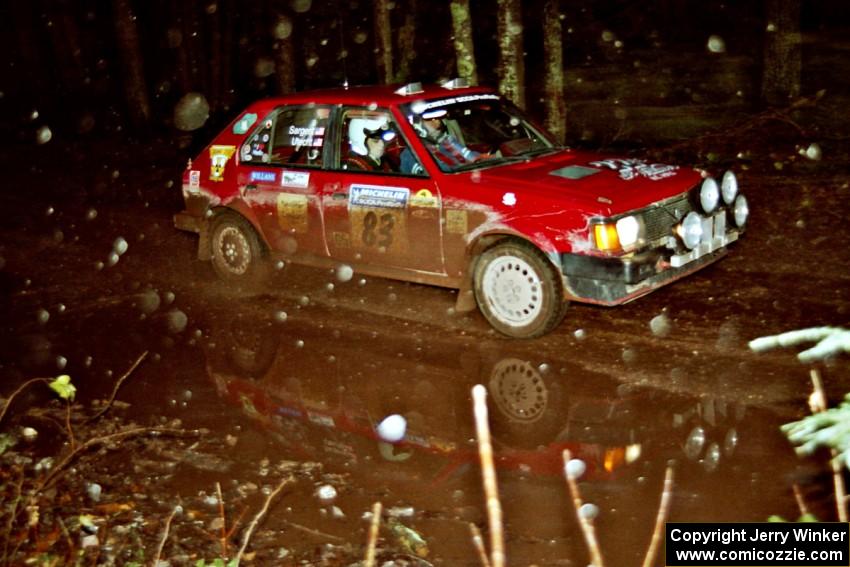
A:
[(518, 290), (237, 254)]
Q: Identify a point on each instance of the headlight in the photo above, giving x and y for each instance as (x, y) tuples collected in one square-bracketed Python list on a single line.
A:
[(628, 230), (729, 187), (690, 230), (709, 195), (740, 211)]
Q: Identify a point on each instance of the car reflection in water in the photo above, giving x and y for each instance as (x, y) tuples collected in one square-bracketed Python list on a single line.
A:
[(323, 402)]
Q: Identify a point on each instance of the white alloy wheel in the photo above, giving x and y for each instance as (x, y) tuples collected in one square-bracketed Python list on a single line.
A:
[(518, 289), (518, 390), (513, 290), (232, 246)]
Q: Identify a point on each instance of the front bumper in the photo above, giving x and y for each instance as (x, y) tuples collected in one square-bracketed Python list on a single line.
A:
[(617, 280)]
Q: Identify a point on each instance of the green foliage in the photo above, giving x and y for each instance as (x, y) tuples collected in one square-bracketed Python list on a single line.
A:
[(63, 387), (6, 441), (805, 518), (217, 562), (829, 429)]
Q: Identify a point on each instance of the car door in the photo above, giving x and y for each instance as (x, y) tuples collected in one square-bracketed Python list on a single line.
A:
[(277, 177), (378, 215)]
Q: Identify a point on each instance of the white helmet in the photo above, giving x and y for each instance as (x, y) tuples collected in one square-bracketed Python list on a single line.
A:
[(357, 132)]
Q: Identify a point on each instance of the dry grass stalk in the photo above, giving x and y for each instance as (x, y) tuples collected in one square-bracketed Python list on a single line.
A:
[(223, 538), (164, 536), (488, 473), (818, 404), (120, 381), (260, 515), (478, 542), (801, 502), (373, 534), (663, 508), (17, 392), (586, 524)]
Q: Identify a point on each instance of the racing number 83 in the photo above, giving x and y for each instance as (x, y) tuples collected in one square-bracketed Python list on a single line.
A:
[(378, 230)]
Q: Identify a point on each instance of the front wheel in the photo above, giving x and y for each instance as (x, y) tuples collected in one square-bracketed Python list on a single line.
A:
[(237, 254), (518, 290)]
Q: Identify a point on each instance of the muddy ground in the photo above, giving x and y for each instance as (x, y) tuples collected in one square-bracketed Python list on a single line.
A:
[(283, 388)]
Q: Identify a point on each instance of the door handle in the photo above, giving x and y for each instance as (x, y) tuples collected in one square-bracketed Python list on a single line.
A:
[(339, 196), (250, 187)]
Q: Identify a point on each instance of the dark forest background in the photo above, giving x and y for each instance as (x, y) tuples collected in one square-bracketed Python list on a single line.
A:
[(72, 64)]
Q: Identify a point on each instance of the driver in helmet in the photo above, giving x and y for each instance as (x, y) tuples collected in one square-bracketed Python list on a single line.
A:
[(445, 147), (368, 140)]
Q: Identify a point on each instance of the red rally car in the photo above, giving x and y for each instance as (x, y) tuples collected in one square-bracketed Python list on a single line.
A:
[(450, 186)]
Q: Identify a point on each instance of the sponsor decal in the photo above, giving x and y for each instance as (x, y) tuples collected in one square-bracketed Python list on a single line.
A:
[(456, 221), (376, 196), (194, 178), (423, 198), (264, 176), (633, 168), (419, 108), (292, 212), (244, 124), (218, 160), (298, 179), (306, 135)]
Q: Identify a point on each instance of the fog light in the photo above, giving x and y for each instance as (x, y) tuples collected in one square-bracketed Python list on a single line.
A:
[(740, 211), (729, 187), (709, 195), (606, 237), (690, 230)]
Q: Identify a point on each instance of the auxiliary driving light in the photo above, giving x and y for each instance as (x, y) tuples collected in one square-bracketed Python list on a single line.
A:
[(690, 230), (740, 211), (709, 195), (729, 187)]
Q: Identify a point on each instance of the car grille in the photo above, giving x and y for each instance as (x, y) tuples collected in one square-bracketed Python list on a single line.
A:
[(660, 218)]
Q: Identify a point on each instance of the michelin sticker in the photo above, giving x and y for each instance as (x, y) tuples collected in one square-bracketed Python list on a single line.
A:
[(298, 179), (633, 168), (194, 178), (375, 196)]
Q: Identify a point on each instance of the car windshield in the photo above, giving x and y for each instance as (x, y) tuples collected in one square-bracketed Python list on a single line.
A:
[(472, 131)]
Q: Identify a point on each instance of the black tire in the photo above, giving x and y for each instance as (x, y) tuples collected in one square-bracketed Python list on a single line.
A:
[(518, 290), (235, 250)]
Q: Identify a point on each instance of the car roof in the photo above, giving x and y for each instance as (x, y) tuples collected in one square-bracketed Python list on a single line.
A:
[(382, 95)]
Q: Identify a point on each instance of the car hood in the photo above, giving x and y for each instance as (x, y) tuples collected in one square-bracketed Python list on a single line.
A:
[(594, 182)]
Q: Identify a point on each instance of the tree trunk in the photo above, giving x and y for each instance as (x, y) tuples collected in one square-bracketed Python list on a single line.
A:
[(406, 43), (215, 50), (67, 54), (193, 44), (229, 20), (135, 89), (383, 41), (464, 47), (511, 62), (781, 75), (553, 58), (285, 54)]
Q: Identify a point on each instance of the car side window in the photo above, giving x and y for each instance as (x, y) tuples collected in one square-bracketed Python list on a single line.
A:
[(370, 140), (293, 135)]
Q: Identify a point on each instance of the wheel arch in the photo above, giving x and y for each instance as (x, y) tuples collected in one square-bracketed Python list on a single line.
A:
[(238, 208), (465, 297)]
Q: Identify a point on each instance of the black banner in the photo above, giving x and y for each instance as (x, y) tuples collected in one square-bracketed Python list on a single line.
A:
[(817, 544)]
